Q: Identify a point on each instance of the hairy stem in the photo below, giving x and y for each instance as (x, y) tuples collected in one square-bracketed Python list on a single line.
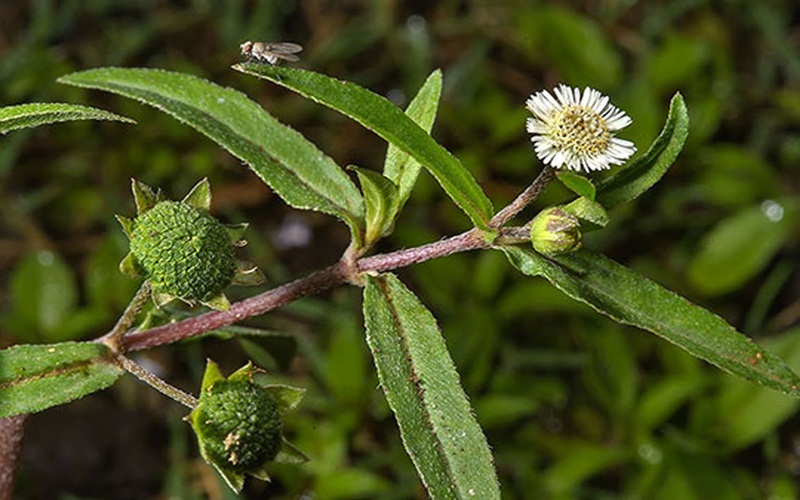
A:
[(156, 383), (337, 274), (11, 432), (112, 338), (347, 270), (524, 199), (471, 240), (253, 306)]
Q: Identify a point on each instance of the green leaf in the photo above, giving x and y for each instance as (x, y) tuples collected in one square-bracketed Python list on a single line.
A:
[(44, 292), (286, 396), (577, 183), (580, 462), (36, 377), (666, 396), (295, 168), (388, 121), (571, 43), (648, 169), (381, 200), (629, 298), (211, 375), (34, 114), (200, 197), (739, 247), (586, 209), (399, 166), (743, 415), (422, 387), (144, 196)]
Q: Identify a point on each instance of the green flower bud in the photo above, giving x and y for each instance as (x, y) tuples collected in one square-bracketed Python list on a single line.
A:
[(555, 232), (238, 425), (183, 251)]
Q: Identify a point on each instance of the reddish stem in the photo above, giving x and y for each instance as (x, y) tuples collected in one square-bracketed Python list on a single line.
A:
[(314, 283), (523, 199), (253, 306), (11, 432)]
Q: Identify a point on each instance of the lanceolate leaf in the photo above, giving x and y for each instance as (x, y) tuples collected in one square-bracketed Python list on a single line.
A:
[(586, 209), (380, 198), (388, 121), (401, 167), (37, 377), (739, 247), (299, 172), (31, 115), (627, 297), (422, 388), (577, 183), (645, 171)]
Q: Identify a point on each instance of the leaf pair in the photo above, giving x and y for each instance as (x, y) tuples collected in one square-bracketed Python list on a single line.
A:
[(385, 195), (295, 168), (385, 119)]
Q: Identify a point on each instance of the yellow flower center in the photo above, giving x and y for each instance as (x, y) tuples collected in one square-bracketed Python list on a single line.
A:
[(579, 129)]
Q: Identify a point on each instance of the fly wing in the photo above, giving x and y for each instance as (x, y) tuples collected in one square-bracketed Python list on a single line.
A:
[(286, 57), (284, 48)]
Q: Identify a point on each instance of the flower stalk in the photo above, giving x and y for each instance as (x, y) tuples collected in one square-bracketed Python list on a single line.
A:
[(156, 383), (125, 321)]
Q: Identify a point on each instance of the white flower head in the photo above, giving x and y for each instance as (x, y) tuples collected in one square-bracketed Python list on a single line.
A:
[(575, 129)]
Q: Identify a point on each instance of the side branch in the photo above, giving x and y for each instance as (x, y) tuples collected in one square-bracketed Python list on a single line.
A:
[(523, 199), (311, 284), (471, 240), (253, 306)]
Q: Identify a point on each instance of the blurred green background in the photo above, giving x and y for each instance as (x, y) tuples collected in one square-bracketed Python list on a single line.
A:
[(574, 406)]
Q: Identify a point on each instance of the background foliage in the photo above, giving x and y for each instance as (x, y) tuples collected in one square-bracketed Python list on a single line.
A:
[(572, 404)]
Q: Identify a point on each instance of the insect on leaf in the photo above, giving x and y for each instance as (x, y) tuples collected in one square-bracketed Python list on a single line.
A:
[(388, 121), (290, 164)]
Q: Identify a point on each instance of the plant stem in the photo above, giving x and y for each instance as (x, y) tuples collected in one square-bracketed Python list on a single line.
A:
[(470, 240), (11, 432), (347, 270), (523, 199), (252, 306), (329, 277), (112, 338), (156, 383)]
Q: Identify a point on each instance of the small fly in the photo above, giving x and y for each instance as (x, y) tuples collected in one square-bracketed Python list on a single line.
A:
[(271, 53)]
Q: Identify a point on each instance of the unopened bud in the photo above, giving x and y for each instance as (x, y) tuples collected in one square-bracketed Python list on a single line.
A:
[(555, 232)]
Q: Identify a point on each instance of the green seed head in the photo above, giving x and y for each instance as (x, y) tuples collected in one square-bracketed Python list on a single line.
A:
[(555, 232), (238, 425), (239, 422), (183, 251)]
